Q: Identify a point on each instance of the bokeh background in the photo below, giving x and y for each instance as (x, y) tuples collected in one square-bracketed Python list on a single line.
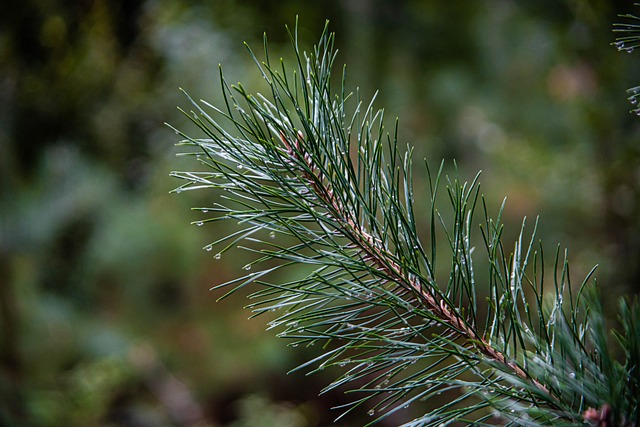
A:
[(106, 317)]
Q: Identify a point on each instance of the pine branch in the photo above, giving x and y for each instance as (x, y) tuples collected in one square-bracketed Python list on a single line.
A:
[(312, 179)]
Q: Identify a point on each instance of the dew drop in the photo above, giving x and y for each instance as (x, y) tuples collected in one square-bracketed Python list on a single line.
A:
[(205, 210), (199, 223), (247, 267), (209, 249), (371, 412), (272, 235), (240, 166), (217, 256), (572, 375)]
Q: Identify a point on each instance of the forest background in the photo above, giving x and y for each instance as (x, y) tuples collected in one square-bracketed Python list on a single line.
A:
[(106, 317)]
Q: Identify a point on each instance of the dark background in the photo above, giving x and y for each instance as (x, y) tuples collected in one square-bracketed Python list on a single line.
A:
[(106, 317)]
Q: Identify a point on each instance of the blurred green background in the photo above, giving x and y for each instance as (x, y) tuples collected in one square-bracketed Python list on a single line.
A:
[(106, 317)]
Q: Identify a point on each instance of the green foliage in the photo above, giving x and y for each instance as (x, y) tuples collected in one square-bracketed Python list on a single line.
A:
[(257, 411), (84, 397), (308, 176)]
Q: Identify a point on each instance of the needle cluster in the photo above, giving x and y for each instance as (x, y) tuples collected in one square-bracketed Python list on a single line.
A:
[(627, 40), (309, 180)]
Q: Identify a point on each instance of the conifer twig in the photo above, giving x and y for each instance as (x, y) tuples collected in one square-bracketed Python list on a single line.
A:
[(310, 184)]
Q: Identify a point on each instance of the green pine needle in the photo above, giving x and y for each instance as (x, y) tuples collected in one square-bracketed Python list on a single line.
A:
[(628, 40), (312, 179)]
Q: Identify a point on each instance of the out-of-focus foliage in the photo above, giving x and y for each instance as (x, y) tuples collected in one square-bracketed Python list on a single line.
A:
[(105, 313)]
